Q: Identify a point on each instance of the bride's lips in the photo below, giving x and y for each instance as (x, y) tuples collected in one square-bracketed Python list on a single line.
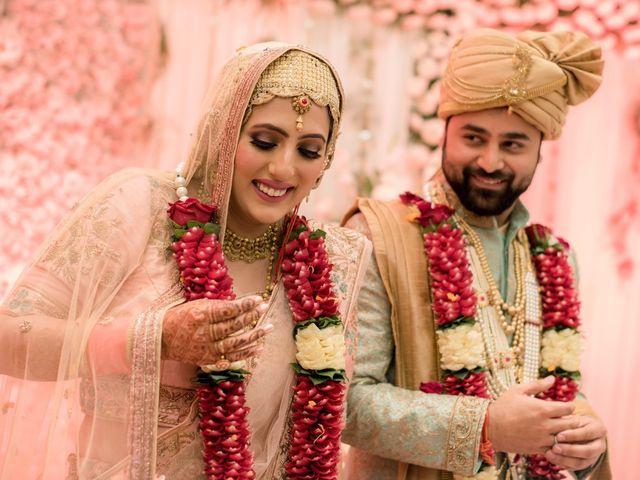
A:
[(271, 190)]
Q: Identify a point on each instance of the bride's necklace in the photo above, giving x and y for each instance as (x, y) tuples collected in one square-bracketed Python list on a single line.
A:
[(250, 250)]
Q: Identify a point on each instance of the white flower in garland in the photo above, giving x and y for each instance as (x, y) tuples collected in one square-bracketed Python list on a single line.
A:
[(461, 347), (561, 349), (320, 348)]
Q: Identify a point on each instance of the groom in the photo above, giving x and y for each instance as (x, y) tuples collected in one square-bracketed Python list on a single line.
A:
[(468, 353)]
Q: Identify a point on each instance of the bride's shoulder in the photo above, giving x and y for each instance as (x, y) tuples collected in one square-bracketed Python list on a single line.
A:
[(341, 239)]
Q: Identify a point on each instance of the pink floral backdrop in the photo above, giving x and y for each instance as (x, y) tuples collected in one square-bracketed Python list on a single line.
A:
[(91, 86)]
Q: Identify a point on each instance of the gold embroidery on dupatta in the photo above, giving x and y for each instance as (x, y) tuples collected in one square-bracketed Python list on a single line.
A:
[(95, 226), (144, 388), (175, 403)]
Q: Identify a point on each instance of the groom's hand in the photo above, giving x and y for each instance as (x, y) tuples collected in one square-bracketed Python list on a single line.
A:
[(519, 423), (579, 448)]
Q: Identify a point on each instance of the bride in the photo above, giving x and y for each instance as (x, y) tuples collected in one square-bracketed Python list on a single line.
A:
[(193, 325)]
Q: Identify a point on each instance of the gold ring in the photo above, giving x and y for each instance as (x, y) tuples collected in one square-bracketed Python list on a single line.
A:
[(222, 364)]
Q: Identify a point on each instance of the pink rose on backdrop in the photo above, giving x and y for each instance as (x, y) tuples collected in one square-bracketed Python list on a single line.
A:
[(417, 157), (323, 8), (384, 16), (567, 4), (428, 104), (416, 87), (359, 12), (588, 21), (324, 209), (415, 122), (428, 68), (412, 22), (431, 131), (606, 8), (404, 6), (546, 13)]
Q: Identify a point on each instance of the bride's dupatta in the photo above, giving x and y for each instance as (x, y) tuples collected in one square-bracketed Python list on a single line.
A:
[(80, 332)]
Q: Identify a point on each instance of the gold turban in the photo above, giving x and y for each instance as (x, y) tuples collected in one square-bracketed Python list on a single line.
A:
[(536, 74)]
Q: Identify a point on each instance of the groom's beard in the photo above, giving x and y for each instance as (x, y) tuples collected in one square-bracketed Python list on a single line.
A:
[(481, 201)]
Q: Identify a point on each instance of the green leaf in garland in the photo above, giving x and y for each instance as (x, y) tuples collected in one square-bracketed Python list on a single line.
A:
[(213, 378), (296, 233), (464, 372), (317, 234), (178, 233), (320, 376), (320, 322), (559, 372), (193, 223), (210, 228), (458, 321), (175, 225)]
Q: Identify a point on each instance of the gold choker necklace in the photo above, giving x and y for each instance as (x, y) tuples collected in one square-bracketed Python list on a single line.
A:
[(250, 250)]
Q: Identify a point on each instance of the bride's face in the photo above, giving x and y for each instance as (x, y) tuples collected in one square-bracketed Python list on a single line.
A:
[(276, 166)]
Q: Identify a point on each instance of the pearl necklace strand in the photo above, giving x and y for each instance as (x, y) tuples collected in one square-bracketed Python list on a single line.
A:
[(514, 358)]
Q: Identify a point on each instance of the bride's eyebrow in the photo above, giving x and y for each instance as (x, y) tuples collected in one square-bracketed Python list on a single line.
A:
[(314, 135), (270, 126)]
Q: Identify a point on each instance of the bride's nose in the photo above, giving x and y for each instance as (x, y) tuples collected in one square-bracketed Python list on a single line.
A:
[(281, 165)]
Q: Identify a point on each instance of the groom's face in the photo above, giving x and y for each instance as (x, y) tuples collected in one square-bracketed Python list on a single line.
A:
[(489, 158)]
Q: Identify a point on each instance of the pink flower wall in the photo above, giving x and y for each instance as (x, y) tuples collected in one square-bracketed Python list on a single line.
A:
[(74, 83)]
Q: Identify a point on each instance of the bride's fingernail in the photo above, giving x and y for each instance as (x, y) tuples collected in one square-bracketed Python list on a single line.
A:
[(268, 327), (262, 307)]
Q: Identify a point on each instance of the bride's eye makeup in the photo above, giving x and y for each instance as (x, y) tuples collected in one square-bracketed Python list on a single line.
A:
[(262, 144)]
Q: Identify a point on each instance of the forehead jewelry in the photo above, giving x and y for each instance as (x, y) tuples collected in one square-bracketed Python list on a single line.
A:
[(301, 104)]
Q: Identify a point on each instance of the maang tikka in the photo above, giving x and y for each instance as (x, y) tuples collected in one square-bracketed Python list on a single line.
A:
[(302, 105)]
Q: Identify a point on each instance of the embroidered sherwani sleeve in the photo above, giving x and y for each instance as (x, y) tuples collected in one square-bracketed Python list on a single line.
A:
[(434, 431)]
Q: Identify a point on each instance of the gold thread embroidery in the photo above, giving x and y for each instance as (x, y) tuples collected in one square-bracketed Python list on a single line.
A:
[(464, 433), (514, 89), (175, 404), (145, 380)]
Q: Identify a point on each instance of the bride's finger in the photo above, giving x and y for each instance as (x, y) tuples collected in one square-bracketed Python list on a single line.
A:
[(240, 342), (220, 310), (222, 330)]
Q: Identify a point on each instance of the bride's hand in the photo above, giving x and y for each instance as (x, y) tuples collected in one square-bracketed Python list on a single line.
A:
[(200, 332)]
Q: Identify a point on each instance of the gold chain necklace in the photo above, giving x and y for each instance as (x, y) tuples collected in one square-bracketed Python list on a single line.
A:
[(250, 250), (516, 311)]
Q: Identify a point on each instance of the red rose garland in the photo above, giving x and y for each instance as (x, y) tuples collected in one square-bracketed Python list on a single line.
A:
[(560, 311), (317, 408), (454, 304), (454, 301), (318, 400)]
